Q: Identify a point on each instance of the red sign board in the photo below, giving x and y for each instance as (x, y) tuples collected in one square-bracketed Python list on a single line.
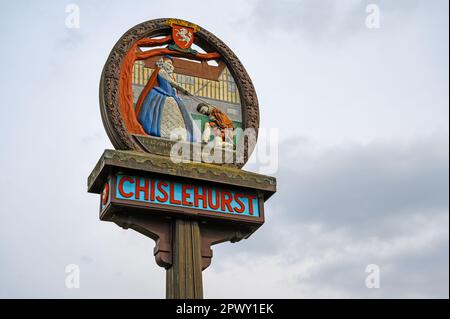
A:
[(162, 194)]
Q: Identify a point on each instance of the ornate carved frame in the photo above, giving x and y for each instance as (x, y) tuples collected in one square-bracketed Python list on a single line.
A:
[(109, 83)]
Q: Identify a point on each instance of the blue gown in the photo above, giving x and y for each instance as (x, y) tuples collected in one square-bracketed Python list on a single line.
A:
[(152, 109)]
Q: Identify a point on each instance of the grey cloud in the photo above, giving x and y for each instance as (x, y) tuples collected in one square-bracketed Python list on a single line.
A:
[(359, 184), (369, 190), (325, 20), (315, 262), (340, 209)]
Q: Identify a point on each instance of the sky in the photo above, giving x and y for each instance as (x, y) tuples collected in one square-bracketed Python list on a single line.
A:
[(363, 153)]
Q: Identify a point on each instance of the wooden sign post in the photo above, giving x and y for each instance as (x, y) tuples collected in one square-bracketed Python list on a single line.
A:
[(184, 277), (186, 204), (185, 208)]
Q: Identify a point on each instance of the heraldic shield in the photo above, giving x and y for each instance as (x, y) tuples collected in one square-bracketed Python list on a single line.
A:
[(183, 36)]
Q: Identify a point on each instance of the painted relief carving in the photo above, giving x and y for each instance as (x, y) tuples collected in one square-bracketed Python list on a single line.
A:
[(170, 79)]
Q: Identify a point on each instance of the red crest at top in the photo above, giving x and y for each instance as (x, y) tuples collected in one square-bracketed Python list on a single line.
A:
[(183, 36)]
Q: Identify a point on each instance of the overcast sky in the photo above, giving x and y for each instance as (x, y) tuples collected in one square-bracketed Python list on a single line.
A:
[(363, 173)]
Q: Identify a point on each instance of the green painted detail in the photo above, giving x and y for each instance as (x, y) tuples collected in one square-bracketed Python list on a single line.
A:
[(175, 47), (203, 119)]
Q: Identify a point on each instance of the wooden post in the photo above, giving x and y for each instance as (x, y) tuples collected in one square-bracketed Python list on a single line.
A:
[(183, 235), (184, 277)]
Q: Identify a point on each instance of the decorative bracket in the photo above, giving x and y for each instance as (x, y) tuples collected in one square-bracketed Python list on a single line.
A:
[(157, 228), (160, 229)]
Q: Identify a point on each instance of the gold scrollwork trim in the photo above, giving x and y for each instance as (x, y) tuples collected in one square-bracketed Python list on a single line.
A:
[(183, 23)]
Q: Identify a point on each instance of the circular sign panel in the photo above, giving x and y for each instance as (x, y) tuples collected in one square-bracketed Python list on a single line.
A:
[(169, 82)]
